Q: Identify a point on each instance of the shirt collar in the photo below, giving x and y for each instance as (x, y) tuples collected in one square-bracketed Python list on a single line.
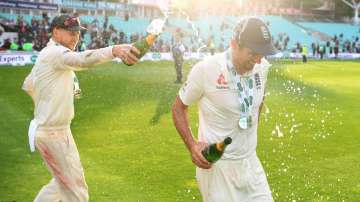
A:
[(54, 43), (51, 43)]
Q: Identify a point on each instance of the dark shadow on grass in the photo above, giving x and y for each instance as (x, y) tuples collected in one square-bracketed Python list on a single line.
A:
[(166, 98)]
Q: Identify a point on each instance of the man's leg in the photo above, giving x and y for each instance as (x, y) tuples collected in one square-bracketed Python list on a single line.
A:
[(58, 149), (178, 72), (234, 181), (219, 183), (48, 192), (260, 191)]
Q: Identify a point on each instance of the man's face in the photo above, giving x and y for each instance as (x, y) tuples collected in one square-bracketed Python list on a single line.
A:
[(66, 38), (244, 58)]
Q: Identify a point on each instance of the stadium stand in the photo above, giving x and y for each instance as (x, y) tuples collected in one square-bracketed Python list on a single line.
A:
[(333, 29), (212, 29)]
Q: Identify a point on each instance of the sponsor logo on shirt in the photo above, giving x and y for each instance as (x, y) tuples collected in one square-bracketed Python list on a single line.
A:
[(222, 84), (257, 81)]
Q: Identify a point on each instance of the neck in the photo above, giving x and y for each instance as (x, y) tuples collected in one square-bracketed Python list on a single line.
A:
[(239, 68), (58, 42)]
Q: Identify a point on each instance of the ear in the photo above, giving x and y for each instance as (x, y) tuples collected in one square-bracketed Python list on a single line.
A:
[(233, 43), (257, 58), (55, 32)]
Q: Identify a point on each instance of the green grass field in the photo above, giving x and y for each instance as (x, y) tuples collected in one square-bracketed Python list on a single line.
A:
[(309, 137)]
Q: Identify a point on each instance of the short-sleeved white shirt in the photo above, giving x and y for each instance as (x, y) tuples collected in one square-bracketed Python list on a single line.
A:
[(210, 83), (51, 81)]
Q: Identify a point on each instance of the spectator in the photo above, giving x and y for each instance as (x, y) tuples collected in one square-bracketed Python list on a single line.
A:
[(178, 55), (336, 49), (313, 48), (304, 52), (322, 50)]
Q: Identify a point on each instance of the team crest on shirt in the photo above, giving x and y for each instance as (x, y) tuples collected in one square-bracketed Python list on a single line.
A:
[(257, 81), (221, 82)]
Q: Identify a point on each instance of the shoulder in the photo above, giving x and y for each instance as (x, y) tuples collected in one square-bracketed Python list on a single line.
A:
[(214, 61), (55, 50), (52, 54), (207, 68)]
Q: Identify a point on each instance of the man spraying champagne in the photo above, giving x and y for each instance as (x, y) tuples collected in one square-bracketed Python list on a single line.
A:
[(52, 85)]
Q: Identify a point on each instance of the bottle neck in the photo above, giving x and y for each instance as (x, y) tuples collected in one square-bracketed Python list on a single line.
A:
[(220, 146), (150, 39)]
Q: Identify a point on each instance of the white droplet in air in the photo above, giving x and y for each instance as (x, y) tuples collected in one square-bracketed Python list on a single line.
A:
[(267, 110), (279, 133)]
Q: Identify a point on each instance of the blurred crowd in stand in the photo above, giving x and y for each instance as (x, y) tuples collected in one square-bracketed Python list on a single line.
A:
[(32, 36), (36, 34), (332, 47)]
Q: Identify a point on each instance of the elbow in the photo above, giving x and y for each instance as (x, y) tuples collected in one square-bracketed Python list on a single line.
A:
[(84, 65), (178, 107), (175, 107), (77, 66)]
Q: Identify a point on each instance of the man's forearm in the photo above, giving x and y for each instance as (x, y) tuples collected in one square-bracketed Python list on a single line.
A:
[(181, 122)]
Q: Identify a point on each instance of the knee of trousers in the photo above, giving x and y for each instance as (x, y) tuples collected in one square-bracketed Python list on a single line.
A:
[(81, 194), (77, 191)]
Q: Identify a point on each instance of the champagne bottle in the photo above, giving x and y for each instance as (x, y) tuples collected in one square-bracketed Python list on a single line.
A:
[(214, 151), (154, 30), (144, 45)]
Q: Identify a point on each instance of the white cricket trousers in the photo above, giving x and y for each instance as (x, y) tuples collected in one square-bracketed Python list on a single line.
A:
[(58, 149), (241, 180)]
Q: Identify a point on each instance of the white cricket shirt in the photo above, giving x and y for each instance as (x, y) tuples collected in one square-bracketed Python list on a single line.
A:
[(210, 83), (51, 81)]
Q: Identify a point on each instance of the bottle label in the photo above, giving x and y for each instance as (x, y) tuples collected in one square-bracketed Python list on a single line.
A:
[(150, 39), (220, 146)]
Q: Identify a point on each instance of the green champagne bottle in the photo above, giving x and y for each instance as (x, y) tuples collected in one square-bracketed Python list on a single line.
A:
[(144, 45), (154, 30), (214, 151)]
